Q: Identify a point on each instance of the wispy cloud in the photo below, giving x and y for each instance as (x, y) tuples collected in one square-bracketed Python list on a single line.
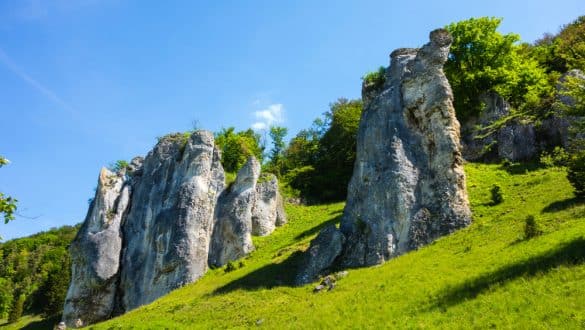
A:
[(48, 93), (273, 114)]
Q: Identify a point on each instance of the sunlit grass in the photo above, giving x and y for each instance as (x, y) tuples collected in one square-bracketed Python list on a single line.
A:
[(487, 275)]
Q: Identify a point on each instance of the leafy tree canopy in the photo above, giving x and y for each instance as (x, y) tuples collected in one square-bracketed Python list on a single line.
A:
[(482, 59), (236, 147)]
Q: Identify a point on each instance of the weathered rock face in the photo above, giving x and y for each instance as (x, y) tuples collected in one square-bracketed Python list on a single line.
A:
[(168, 228), (408, 185), (232, 235), (95, 252), (150, 228), (268, 209)]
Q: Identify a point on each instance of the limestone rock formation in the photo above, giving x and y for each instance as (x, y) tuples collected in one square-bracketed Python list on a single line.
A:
[(408, 185), (268, 209), (168, 228), (232, 235), (150, 227), (95, 252)]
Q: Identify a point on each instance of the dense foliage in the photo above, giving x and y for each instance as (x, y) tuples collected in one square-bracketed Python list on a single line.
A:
[(236, 147), (319, 161), (35, 273), (483, 60)]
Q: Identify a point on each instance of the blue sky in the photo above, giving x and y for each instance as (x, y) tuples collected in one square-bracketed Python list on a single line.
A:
[(84, 83)]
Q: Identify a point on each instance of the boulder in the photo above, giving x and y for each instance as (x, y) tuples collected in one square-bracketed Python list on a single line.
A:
[(322, 252)]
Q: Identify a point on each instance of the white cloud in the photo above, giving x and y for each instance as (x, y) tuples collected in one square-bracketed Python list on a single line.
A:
[(259, 126), (273, 114)]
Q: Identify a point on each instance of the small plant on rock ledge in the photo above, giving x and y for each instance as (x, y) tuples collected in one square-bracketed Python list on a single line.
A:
[(375, 80)]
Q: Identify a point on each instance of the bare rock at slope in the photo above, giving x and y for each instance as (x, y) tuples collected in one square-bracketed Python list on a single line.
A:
[(322, 252)]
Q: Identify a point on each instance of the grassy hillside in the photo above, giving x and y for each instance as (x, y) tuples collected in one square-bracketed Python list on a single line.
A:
[(484, 276)]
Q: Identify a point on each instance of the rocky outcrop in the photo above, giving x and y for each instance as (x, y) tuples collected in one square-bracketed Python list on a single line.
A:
[(168, 228), (150, 228), (95, 253), (489, 136), (232, 235), (408, 185), (268, 210)]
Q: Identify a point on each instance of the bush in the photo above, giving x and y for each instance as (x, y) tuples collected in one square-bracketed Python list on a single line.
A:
[(531, 228), (375, 80), (230, 267), (497, 195), (576, 173), (558, 158)]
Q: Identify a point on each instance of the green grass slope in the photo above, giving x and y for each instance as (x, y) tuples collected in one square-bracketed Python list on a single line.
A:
[(487, 275)]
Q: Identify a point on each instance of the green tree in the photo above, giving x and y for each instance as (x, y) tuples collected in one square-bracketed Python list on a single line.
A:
[(570, 44), (7, 203), (236, 147), (482, 60), (17, 309), (275, 165), (5, 297)]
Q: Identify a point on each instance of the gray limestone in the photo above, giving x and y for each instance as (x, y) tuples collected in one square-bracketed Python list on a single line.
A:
[(95, 253), (158, 225), (408, 185)]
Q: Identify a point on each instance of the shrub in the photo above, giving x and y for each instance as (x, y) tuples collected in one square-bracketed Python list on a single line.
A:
[(558, 158), (118, 166), (230, 267), (497, 195), (375, 80), (531, 228), (576, 173)]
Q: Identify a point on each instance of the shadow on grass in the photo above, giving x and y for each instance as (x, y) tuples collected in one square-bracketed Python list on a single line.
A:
[(43, 324), (277, 273), (572, 253), (521, 168), (267, 277), (316, 229), (563, 205)]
